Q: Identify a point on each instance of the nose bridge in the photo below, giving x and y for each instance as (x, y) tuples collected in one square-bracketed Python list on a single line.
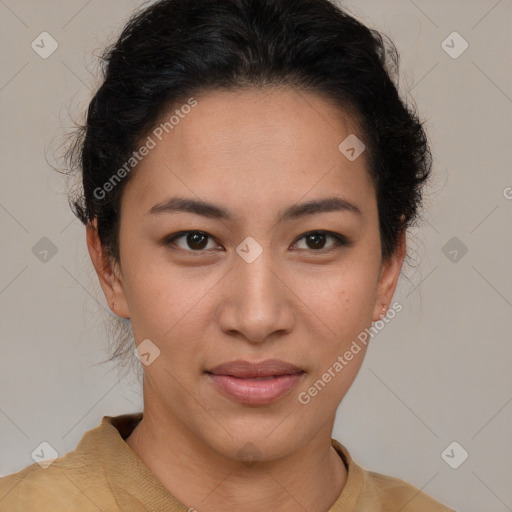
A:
[(258, 298), (257, 277)]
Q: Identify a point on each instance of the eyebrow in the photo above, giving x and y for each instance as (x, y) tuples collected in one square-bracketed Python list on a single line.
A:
[(211, 210)]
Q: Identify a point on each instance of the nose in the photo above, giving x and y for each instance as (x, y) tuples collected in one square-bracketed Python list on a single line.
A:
[(257, 303)]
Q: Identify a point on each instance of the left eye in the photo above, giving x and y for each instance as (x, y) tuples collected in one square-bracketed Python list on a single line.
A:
[(314, 239), (198, 240)]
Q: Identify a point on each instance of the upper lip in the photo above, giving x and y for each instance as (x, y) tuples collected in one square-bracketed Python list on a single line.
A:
[(245, 369)]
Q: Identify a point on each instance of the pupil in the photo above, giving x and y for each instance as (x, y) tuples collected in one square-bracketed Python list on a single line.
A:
[(317, 239), (194, 240)]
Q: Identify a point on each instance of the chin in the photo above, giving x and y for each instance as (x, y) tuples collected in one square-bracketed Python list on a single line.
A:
[(269, 441)]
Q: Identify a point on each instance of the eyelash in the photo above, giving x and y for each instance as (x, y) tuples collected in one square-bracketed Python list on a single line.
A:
[(341, 241)]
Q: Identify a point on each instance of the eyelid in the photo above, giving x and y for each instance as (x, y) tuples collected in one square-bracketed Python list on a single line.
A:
[(341, 240)]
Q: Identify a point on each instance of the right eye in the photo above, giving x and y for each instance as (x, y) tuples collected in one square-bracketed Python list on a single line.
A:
[(193, 241)]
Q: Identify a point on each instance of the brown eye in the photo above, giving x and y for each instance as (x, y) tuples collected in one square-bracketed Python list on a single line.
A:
[(315, 240), (197, 240), (194, 241)]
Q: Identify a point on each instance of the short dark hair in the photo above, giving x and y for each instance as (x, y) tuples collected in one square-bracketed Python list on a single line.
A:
[(176, 48), (173, 49)]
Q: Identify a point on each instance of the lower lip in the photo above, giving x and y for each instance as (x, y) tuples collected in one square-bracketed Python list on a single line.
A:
[(255, 391)]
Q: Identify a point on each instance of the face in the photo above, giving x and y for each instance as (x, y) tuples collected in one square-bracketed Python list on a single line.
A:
[(256, 277)]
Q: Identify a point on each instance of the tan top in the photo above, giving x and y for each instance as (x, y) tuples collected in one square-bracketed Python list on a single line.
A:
[(104, 473)]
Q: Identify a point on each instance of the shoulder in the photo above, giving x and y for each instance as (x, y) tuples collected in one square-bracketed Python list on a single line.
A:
[(70, 482), (367, 490), (392, 492), (39, 488), (67, 484)]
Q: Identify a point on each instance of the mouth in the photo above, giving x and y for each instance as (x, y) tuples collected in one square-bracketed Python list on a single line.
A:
[(255, 383), (247, 370)]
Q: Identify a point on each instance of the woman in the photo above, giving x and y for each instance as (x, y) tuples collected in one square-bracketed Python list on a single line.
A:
[(249, 174)]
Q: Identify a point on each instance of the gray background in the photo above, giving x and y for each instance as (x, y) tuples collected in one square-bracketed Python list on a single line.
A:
[(439, 372)]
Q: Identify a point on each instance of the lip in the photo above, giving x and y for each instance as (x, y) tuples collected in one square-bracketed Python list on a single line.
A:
[(255, 383), (247, 370)]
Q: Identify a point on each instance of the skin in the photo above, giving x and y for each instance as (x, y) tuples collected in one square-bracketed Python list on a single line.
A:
[(255, 153)]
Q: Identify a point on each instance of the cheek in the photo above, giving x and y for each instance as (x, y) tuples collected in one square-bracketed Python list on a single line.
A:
[(172, 308), (156, 300), (345, 307), (343, 299)]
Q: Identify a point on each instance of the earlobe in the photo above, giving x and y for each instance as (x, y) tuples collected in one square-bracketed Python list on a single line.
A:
[(110, 280), (388, 280)]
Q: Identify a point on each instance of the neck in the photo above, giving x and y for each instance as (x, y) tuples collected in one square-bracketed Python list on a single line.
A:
[(310, 479)]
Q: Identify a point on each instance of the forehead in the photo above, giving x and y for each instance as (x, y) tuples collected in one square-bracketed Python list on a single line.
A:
[(251, 146)]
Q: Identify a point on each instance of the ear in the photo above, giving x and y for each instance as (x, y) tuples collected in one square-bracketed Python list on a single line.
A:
[(390, 272), (108, 272)]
